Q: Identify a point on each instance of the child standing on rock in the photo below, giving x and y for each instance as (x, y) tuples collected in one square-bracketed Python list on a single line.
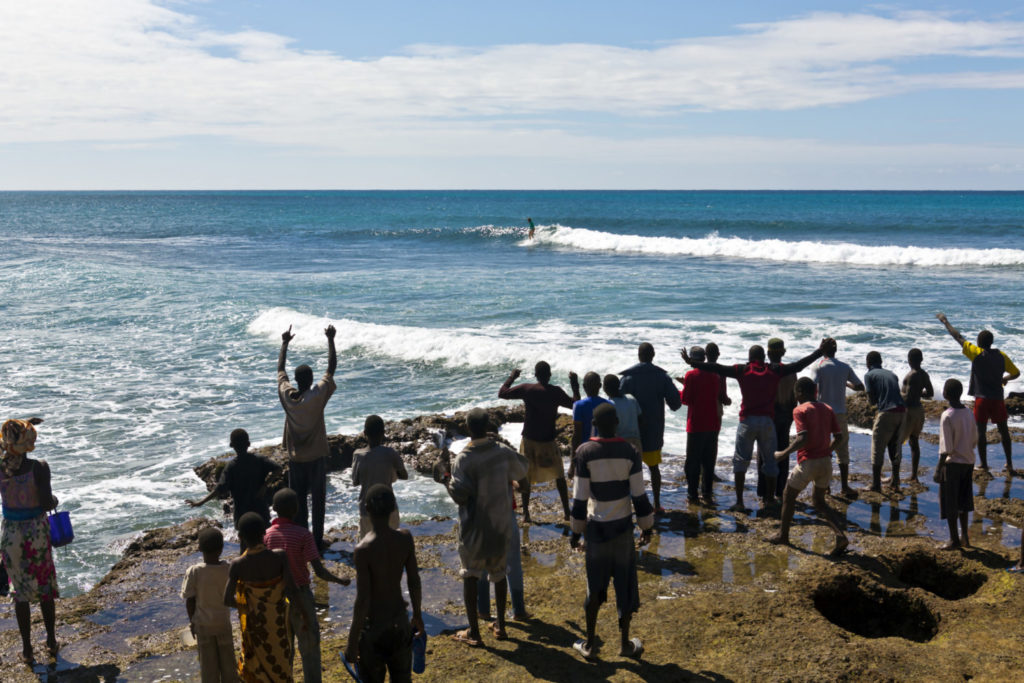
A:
[(209, 619), (957, 435)]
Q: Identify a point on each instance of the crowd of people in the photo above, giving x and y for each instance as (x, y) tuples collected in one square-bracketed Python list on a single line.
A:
[(613, 438)]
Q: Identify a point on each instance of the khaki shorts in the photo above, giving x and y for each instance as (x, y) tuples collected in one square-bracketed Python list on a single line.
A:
[(544, 458), (365, 526), (816, 470), (651, 458), (843, 440), (913, 423)]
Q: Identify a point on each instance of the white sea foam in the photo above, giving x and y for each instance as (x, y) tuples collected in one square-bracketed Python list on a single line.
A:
[(714, 245)]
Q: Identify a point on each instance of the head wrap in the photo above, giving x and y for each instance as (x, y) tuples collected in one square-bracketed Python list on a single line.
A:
[(17, 437)]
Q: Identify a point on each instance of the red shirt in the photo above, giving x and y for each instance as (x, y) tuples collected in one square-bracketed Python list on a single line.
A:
[(816, 421), (758, 384), (297, 543), (700, 396)]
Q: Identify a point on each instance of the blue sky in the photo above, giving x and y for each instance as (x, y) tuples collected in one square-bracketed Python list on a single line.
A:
[(182, 94)]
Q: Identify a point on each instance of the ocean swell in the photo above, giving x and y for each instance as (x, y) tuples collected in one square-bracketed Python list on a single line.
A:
[(714, 245)]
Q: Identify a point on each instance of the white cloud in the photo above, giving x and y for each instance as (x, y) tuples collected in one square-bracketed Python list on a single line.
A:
[(131, 70)]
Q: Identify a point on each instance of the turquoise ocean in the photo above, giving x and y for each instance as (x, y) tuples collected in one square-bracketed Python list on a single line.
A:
[(144, 327)]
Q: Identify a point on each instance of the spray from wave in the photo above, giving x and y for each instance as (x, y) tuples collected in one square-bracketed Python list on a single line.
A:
[(714, 245)]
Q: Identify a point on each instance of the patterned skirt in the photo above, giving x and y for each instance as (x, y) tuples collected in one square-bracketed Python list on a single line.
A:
[(25, 546), (266, 637)]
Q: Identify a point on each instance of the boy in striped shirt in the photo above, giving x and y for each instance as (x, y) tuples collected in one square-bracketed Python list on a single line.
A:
[(609, 481)]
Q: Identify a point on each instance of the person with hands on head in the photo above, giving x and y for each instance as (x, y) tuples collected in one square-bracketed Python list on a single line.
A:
[(305, 434), (541, 401), (759, 384), (986, 386), (817, 431), (380, 639), (260, 585), (608, 488), (25, 532)]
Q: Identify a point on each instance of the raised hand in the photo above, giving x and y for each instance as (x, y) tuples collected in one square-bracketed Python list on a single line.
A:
[(514, 375), (686, 356), (330, 331), (574, 379), (287, 336)]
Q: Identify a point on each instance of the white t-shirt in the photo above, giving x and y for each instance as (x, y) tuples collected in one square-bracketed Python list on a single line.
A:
[(206, 583), (628, 410), (958, 434)]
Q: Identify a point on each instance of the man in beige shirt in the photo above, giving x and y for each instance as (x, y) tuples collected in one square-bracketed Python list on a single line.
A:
[(305, 435)]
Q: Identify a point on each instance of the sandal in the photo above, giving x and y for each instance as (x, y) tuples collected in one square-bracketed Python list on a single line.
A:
[(499, 632), (464, 636), (637, 648), (581, 647)]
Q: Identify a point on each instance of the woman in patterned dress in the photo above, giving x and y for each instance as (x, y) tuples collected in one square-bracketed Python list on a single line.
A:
[(25, 533)]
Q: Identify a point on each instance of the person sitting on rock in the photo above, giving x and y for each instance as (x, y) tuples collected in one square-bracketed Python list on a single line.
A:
[(244, 479), (380, 639), (542, 401), (955, 472), (480, 486), (817, 431), (377, 464)]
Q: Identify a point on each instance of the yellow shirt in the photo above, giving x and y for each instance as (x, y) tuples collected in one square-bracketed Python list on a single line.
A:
[(972, 351)]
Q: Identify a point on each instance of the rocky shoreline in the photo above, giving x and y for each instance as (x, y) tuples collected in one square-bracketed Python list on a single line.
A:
[(718, 602)]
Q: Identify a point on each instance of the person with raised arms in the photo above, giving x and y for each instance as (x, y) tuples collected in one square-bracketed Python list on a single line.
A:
[(305, 434), (759, 385), (542, 401), (986, 386)]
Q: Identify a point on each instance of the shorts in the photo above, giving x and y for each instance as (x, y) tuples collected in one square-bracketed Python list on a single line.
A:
[(956, 494), (474, 567), (913, 423), (843, 440), (545, 460), (385, 646), (990, 409), (651, 458), (614, 561), (816, 470)]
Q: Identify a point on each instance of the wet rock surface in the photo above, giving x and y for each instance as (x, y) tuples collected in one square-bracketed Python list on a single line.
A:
[(718, 602)]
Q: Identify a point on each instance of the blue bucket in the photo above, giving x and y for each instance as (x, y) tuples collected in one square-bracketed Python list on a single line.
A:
[(61, 532)]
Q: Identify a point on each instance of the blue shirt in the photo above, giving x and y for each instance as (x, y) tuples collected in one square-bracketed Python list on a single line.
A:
[(883, 389), (583, 411)]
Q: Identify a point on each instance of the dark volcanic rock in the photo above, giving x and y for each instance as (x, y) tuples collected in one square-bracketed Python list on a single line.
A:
[(415, 438)]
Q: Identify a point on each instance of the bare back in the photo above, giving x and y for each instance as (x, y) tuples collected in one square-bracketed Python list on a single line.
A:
[(381, 558)]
